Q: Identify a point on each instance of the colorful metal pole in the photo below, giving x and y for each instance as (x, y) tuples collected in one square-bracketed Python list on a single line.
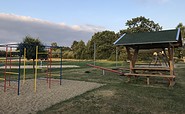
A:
[(50, 68), (60, 65), (36, 62), (19, 75), (47, 65), (24, 72)]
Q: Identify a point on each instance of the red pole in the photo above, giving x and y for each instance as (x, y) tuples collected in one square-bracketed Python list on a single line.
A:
[(47, 65), (50, 68)]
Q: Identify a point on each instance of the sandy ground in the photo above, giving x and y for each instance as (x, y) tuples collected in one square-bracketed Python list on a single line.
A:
[(52, 66), (30, 102)]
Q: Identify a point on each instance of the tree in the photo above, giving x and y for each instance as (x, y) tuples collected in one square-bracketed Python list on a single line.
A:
[(180, 52), (104, 44), (30, 44), (78, 49), (141, 24), (54, 44), (55, 50), (182, 27)]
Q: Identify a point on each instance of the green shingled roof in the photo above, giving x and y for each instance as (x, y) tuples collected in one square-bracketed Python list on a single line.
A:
[(159, 37)]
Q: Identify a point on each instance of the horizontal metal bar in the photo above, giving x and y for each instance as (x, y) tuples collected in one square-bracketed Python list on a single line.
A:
[(11, 73)]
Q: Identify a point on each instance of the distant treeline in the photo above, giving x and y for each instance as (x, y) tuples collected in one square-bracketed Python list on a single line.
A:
[(103, 41)]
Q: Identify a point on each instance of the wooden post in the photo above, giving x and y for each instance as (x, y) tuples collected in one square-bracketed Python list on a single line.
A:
[(135, 56), (103, 72), (132, 59), (171, 61), (148, 80), (129, 56), (171, 64)]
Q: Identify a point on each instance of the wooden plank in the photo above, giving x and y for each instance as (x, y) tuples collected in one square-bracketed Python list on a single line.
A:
[(149, 75), (151, 68)]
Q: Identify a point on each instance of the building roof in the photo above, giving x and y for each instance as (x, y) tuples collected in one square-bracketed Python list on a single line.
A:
[(151, 39)]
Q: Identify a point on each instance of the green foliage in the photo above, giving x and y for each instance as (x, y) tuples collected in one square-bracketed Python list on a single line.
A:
[(104, 44), (68, 54), (2, 53), (182, 27), (142, 24), (180, 52), (30, 44), (78, 49)]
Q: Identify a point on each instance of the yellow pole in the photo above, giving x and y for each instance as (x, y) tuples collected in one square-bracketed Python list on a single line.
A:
[(36, 62), (24, 73)]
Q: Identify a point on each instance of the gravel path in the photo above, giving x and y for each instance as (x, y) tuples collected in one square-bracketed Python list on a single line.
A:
[(30, 102)]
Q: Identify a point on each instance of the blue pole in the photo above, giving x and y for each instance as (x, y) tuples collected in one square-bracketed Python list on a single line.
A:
[(60, 65), (19, 75)]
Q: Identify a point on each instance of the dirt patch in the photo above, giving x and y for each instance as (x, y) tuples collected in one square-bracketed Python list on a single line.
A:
[(105, 93), (30, 102)]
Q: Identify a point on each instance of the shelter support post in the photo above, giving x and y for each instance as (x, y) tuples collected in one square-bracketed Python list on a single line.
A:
[(171, 64), (132, 59), (171, 54)]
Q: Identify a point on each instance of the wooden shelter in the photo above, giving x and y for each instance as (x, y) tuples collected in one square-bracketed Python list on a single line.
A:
[(166, 40)]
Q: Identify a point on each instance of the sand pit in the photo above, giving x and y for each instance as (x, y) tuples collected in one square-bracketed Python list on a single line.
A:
[(30, 102)]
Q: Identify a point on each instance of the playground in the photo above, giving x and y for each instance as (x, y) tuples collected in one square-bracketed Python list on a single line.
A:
[(115, 95), (48, 85)]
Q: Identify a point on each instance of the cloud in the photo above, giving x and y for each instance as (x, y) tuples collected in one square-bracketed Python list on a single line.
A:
[(13, 28)]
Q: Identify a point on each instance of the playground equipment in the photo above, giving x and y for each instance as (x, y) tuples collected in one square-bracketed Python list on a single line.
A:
[(49, 75), (159, 57), (11, 57), (14, 53)]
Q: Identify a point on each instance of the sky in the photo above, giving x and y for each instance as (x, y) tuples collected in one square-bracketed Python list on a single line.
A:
[(64, 21)]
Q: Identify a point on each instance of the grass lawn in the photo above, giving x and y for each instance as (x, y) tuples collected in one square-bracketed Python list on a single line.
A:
[(117, 96)]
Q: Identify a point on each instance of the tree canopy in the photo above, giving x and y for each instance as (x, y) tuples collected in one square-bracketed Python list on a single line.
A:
[(104, 44), (30, 44), (182, 27), (142, 24)]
